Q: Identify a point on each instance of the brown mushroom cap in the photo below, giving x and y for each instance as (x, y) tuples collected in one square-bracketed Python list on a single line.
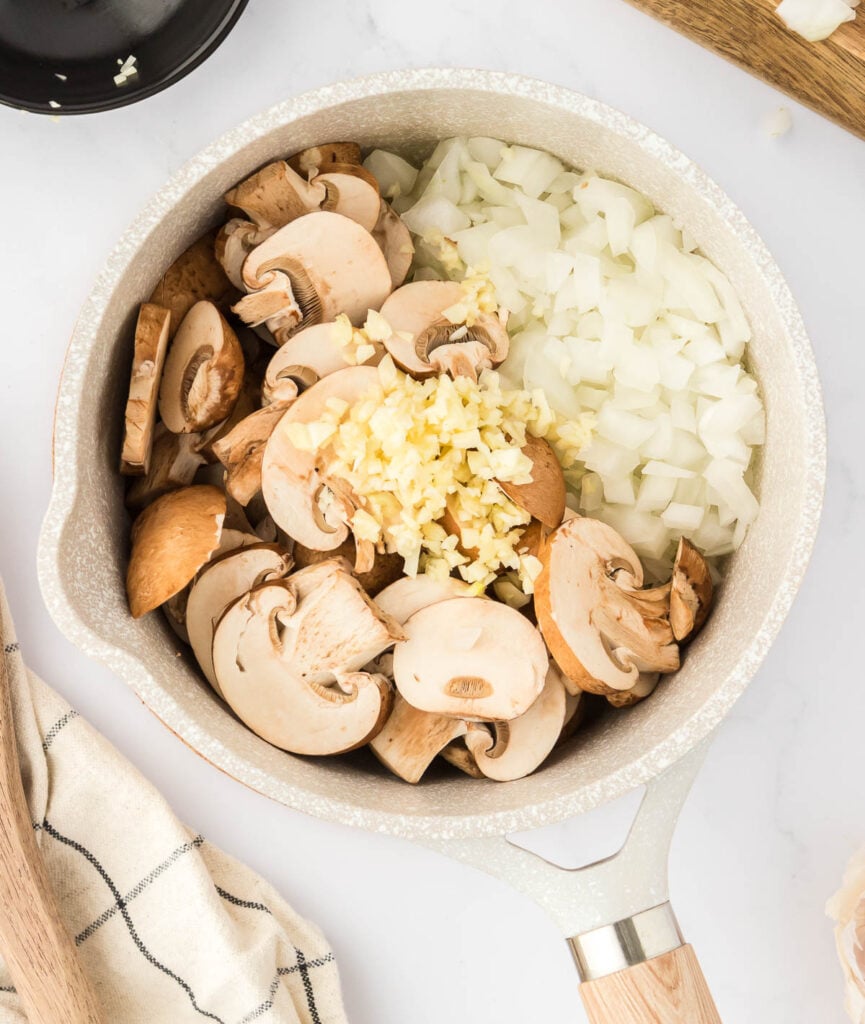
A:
[(292, 481), (691, 591), (309, 162), (425, 343), (394, 240), (289, 667), (310, 271), (385, 568), (148, 357), (276, 195), (306, 357), (203, 372), (470, 658), (219, 585), (544, 497), (603, 634), (193, 276), (171, 540)]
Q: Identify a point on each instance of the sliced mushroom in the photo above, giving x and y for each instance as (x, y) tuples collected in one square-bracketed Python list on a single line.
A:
[(394, 240), (234, 242), (171, 540), (276, 195), (470, 658), (219, 585), (174, 462), (304, 501), (310, 271), (241, 451), (411, 739), (517, 748), (248, 402), (203, 372), (602, 636), (193, 276), (306, 357), (410, 594), (305, 580), (425, 342), (385, 568), (575, 713), (150, 346), (544, 497), (350, 190), (289, 668), (458, 754), (309, 162), (690, 593)]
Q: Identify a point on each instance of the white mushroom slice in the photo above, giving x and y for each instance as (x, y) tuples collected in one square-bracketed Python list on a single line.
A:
[(235, 241), (171, 540), (574, 714), (691, 591), (306, 580), (276, 195), (352, 191), (394, 240), (544, 497), (193, 276), (410, 594), (241, 451), (411, 739), (306, 357), (277, 660), (310, 271), (174, 462), (293, 484), (425, 342), (471, 658), (309, 162), (605, 638), (523, 744), (219, 585), (203, 372), (148, 357)]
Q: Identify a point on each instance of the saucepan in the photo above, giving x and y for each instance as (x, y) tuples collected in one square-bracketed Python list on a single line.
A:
[(632, 958)]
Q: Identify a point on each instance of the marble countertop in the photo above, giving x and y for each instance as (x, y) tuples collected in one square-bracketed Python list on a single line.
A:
[(778, 808)]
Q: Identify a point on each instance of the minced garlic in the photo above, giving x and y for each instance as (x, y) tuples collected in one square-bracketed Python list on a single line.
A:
[(413, 450)]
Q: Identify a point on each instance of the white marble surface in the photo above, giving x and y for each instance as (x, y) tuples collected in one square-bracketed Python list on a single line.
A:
[(777, 809)]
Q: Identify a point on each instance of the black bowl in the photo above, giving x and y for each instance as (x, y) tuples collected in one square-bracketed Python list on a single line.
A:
[(62, 56)]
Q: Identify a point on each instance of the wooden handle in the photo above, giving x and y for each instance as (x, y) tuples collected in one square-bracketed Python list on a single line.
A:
[(828, 76), (670, 989), (38, 951)]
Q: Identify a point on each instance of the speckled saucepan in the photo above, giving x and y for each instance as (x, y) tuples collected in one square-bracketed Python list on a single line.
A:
[(620, 903)]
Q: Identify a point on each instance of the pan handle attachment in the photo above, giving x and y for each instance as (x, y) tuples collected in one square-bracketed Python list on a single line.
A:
[(640, 971)]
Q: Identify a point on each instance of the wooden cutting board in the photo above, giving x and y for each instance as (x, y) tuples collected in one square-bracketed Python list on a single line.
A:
[(828, 76)]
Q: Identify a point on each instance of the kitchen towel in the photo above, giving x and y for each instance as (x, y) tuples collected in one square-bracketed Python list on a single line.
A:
[(169, 928)]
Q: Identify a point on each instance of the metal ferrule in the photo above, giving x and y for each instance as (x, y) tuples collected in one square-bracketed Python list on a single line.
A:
[(615, 947)]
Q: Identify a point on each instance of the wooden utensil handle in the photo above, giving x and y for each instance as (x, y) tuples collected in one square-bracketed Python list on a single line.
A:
[(38, 951), (669, 989)]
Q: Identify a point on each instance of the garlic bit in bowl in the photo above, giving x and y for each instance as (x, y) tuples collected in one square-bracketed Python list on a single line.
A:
[(430, 460)]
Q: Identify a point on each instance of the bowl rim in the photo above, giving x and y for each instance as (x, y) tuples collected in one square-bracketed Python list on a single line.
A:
[(541, 811)]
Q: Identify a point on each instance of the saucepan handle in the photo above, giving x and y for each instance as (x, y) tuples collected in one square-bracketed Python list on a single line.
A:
[(639, 971)]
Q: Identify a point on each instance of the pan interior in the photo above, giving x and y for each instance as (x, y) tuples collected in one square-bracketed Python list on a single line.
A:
[(410, 113)]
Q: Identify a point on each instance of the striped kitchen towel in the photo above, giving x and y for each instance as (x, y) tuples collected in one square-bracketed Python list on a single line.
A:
[(169, 928)]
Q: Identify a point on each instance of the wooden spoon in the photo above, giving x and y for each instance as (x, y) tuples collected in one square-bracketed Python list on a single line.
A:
[(38, 951)]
